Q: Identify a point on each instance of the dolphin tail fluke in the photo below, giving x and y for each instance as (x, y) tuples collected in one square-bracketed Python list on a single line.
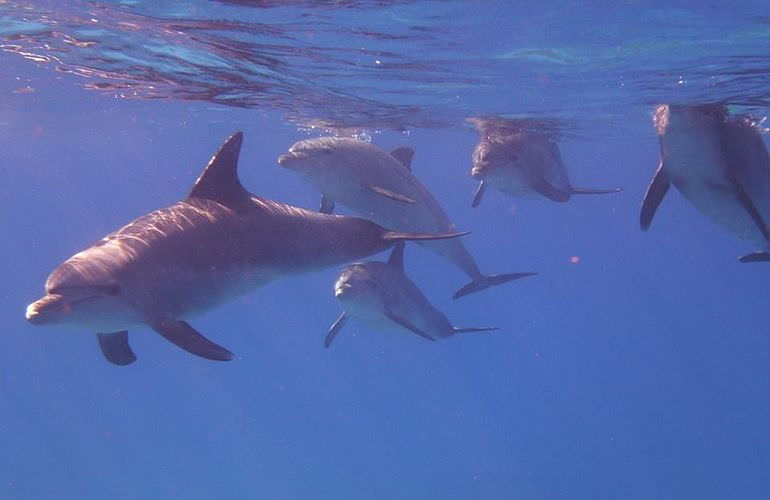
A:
[(485, 281), (755, 257), (183, 335), (397, 236), (115, 348), (595, 191), (469, 329)]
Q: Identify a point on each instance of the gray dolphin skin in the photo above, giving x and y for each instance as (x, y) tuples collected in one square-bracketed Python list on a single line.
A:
[(521, 163), (381, 187), (380, 295), (720, 165), (217, 244)]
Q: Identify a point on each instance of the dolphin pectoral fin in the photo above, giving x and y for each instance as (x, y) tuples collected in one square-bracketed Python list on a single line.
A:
[(478, 194), (183, 335), (654, 195), (595, 191), (390, 194), (335, 329), (755, 257), (485, 281), (404, 156), (543, 187), (408, 325), (469, 329), (397, 236), (115, 348), (327, 205), (397, 256), (751, 209)]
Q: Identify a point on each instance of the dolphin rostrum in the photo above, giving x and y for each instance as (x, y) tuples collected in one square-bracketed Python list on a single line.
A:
[(218, 243), (381, 295), (721, 166), (520, 162), (380, 186)]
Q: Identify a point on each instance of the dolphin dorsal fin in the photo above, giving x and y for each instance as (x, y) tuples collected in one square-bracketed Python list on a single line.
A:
[(397, 256), (219, 180), (404, 156)]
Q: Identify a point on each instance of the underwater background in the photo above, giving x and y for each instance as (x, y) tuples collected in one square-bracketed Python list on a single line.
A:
[(635, 365)]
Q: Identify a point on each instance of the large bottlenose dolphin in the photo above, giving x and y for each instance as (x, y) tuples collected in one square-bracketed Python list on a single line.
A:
[(720, 164), (520, 162), (218, 243), (382, 296), (380, 186)]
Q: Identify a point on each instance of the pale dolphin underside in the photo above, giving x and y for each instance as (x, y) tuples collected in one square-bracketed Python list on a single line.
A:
[(218, 243)]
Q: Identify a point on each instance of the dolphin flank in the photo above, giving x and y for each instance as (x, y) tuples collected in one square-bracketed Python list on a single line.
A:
[(380, 186), (217, 244)]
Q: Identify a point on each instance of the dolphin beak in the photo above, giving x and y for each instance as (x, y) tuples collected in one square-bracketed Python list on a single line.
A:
[(286, 159), (341, 291), (283, 160), (477, 172), (48, 308)]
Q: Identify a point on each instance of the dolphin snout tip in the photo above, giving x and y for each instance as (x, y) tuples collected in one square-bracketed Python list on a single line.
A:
[(477, 173), (284, 159), (32, 314), (341, 291)]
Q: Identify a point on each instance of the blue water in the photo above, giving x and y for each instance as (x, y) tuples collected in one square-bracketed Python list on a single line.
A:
[(635, 366)]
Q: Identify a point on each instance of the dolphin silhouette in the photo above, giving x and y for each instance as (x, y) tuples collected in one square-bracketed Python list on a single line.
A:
[(520, 162), (382, 296), (720, 165), (218, 243), (380, 186)]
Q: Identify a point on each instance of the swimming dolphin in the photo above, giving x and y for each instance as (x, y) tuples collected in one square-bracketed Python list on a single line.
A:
[(380, 186), (720, 164), (218, 243), (520, 162), (381, 295)]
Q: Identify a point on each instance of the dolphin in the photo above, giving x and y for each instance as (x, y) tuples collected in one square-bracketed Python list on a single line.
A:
[(218, 243), (720, 165), (382, 296), (520, 162), (380, 186)]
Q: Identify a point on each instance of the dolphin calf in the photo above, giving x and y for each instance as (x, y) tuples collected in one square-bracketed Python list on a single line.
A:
[(380, 186), (218, 243), (382, 296), (520, 162), (720, 165)]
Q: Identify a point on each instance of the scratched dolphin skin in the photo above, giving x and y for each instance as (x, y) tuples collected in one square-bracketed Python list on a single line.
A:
[(720, 164), (382, 296), (521, 162), (218, 243), (380, 186)]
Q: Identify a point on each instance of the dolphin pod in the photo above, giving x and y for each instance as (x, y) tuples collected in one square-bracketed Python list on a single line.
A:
[(217, 244), (222, 241)]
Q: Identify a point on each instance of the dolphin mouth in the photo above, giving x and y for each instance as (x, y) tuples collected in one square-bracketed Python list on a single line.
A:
[(341, 291), (51, 308), (285, 159), (477, 173)]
